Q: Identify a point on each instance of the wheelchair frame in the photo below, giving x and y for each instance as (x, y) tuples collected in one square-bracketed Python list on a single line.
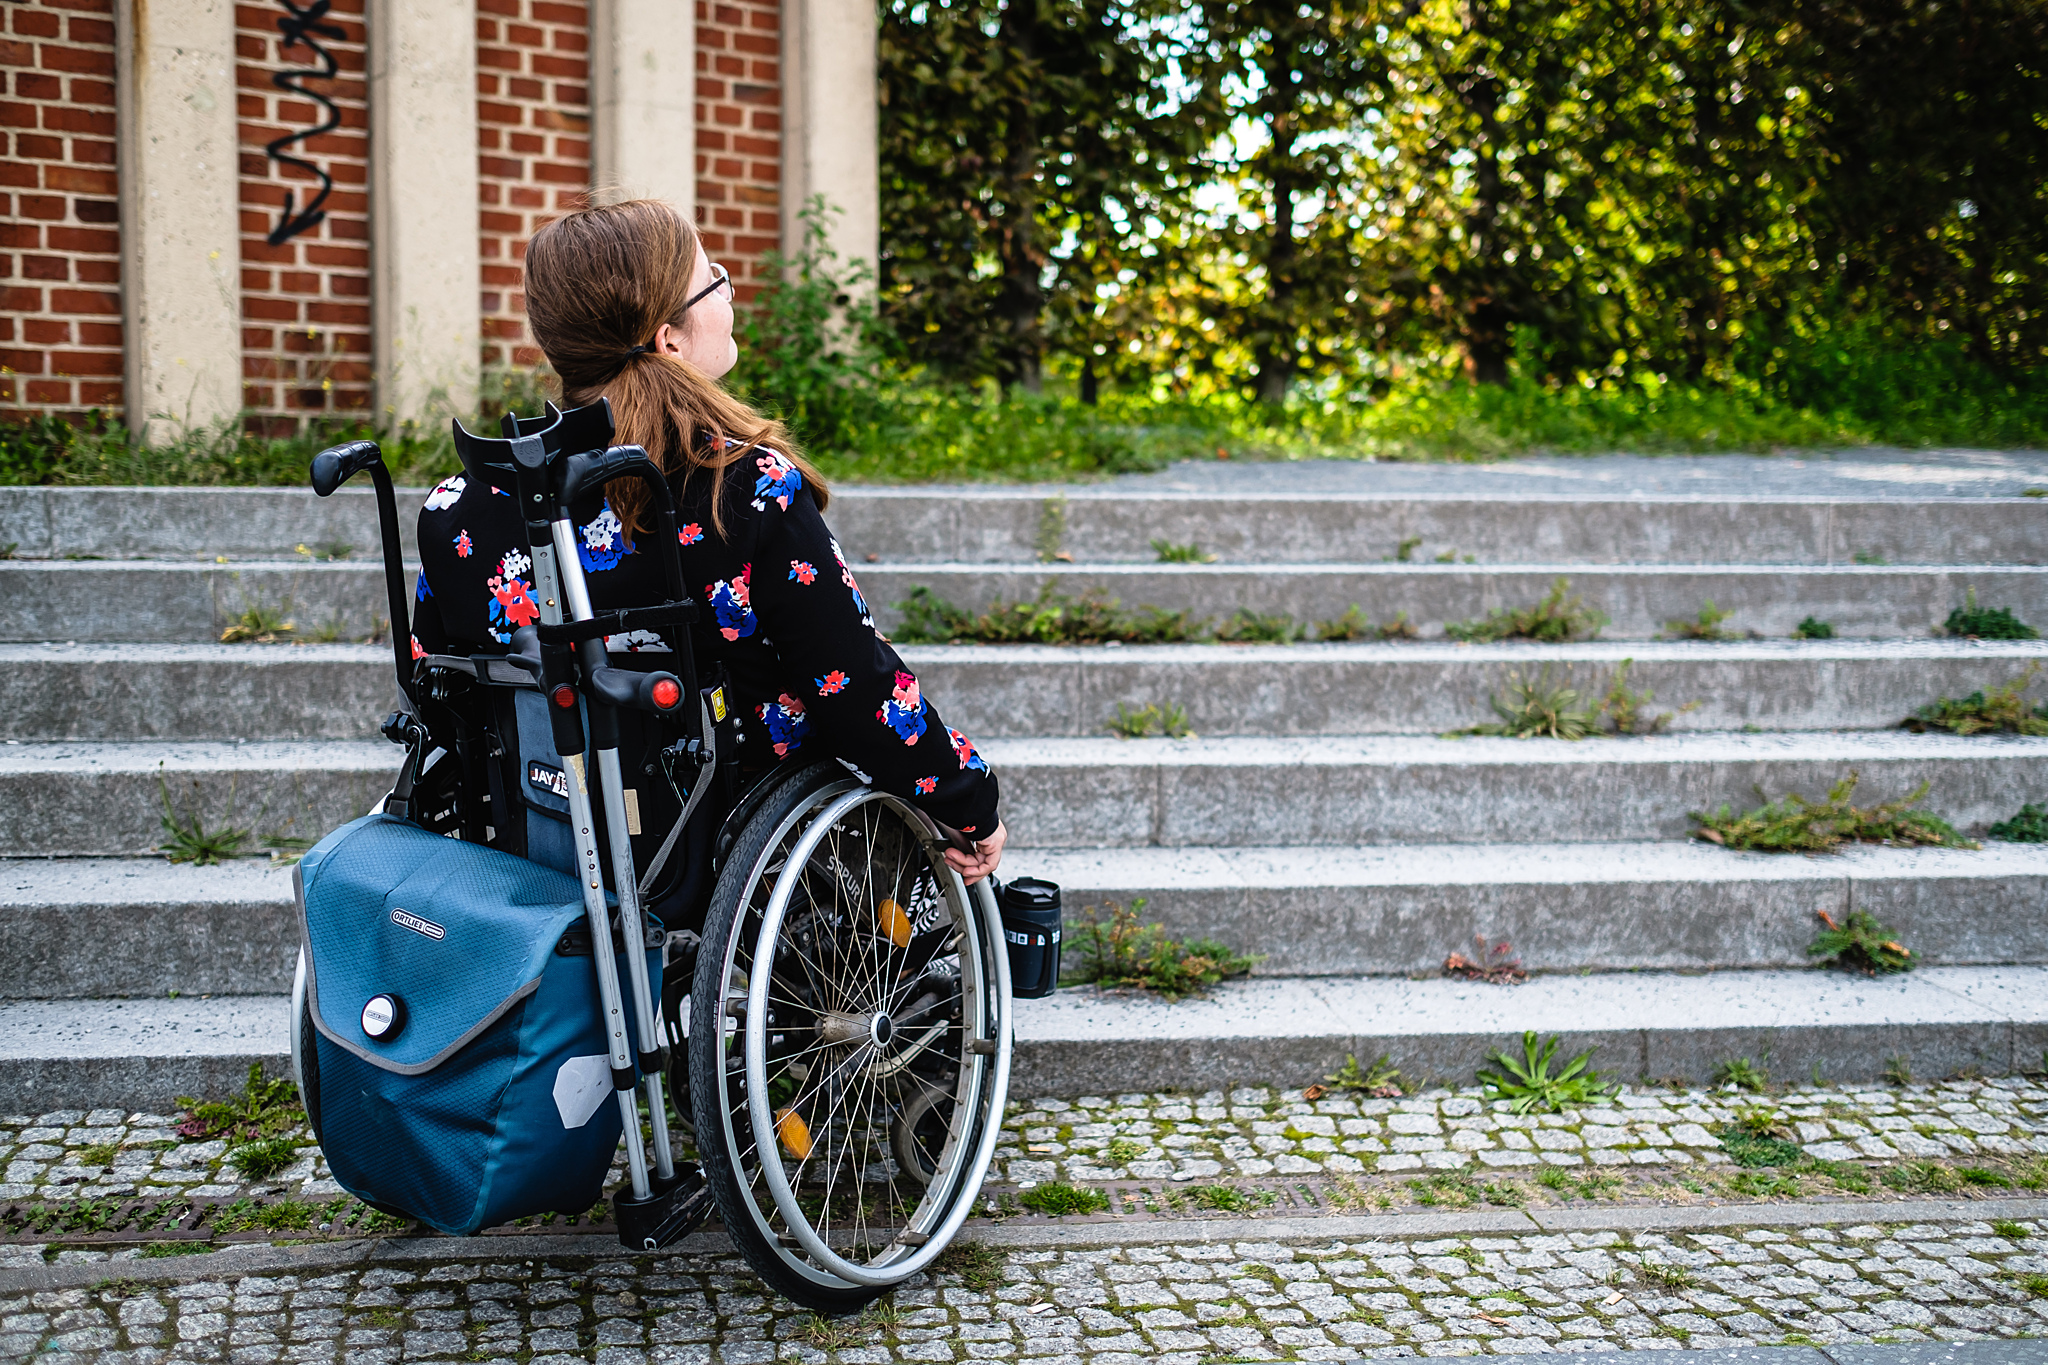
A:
[(551, 462)]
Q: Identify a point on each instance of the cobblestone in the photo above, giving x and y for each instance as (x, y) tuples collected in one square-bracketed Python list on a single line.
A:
[(1183, 1305)]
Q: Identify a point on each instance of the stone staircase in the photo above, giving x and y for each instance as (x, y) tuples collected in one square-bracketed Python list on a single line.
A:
[(1320, 818)]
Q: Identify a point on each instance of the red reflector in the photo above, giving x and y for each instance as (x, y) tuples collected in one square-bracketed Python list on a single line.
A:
[(667, 693), (565, 696)]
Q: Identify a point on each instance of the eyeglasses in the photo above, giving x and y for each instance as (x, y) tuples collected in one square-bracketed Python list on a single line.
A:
[(721, 284)]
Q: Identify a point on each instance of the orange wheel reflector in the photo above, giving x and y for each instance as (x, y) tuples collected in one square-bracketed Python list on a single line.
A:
[(893, 922), (794, 1132), (667, 694), (565, 696)]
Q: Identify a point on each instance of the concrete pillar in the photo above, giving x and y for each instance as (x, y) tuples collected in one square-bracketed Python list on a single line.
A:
[(830, 126), (424, 265), (180, 221), (643, 71)]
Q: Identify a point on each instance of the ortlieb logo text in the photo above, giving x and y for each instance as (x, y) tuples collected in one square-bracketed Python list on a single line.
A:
[(405, 919)]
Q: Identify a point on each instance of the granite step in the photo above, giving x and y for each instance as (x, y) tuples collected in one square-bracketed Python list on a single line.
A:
[(1119, 523), (85, 927), (82, 1054), (154, 600), (214, 691), (106, 799)]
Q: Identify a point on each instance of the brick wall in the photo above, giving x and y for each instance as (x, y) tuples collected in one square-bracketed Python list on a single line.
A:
[(739, 134), (305, 301), (533, 148), (60, 250)]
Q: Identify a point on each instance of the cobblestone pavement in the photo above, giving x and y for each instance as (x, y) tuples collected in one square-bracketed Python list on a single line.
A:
[(1182, 1305), (1247, 1151)]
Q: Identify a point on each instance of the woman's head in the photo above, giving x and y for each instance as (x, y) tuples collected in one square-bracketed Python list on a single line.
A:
[(627, 306)]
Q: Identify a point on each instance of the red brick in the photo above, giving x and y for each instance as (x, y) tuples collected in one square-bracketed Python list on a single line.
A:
[(50, 392), (75, 120), (55, 58), (38, 145), (99, 334), (34, 23), (46, 331), (99, 394), (23, 362), (86, 362), (20, 174), (90, 270), (82, 240), (97, 211), (79, 180), (13, 52), (46, 267), (84, 91), (85, 30), (36, 86), (39, 206)]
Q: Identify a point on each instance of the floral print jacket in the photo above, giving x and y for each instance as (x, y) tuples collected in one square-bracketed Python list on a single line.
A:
[(777, 605)]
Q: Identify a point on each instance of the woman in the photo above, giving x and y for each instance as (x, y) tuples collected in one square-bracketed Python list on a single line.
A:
[(627, 307)]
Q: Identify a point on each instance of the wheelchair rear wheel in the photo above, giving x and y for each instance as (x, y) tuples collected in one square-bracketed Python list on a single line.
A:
[(849, 1042)]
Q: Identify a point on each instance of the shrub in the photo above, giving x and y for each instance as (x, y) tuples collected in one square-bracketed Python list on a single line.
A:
[(1794, 824), (1861, 944), (1557, 618), (1528, 1084)]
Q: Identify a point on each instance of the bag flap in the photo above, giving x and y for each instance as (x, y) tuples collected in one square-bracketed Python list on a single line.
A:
[(455, 932)]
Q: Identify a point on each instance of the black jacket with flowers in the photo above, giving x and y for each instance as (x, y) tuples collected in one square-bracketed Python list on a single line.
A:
[(779, 608)]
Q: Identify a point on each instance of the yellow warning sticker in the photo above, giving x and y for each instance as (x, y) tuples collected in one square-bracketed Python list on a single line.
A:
[(718, 703)]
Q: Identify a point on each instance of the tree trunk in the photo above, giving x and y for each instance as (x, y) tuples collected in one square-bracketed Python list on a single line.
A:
[(1021, 302), (1488, 319), (1275, 352), (1089, 392)]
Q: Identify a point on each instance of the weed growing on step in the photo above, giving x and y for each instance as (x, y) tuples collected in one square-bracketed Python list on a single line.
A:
[(1131, 722), (265, 1108), (2001, 709), (1057, 1199), (1794, 824), (1986, 623), (1170, 553), (1707, 626), (1248, 627), (1528, 1084), (2006, 1227), (1538, 708), (1380, 1080), (1561, 616), (979, 1267), (248, 1215), (1404, 553), (157, 1250), (1870, 559), (1898, 1071), (1052, 618), (2030, 826), (1355, 625), (259, 624), (1119, 949), (1860, 944), (1753, 1146), (1666, 1274), (263, 1158), (1922, 1177), (1495, 964), (1231, 1199), (1624, 709), (834, 1334), (1743, 1074), (1813, 628), (188, 838), (1052, 530)]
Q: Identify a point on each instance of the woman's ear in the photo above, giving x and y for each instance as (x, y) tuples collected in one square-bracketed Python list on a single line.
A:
[(668, 340)]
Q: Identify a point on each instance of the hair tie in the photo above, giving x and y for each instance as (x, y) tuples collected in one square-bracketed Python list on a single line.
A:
[(646, 348)]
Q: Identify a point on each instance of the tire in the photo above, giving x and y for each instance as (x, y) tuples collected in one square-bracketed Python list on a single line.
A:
[(850, 1016)]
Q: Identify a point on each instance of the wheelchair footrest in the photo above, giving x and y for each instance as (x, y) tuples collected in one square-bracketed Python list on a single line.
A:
[(668, 1214)]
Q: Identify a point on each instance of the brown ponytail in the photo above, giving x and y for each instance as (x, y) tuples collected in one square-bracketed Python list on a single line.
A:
[(599, 283)]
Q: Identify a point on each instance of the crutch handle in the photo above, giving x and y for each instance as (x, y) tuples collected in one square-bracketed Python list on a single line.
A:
[(334, 467)]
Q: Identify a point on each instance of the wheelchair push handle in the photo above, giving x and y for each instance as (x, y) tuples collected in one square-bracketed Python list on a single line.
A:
[(334, 467)]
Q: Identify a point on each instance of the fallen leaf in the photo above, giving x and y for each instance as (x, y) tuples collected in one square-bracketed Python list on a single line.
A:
[(1315, 1092), (1488, 1317)]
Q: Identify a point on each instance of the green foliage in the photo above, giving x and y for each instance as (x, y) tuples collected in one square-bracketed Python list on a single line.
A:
[(1861, 944), (1123, 1149), (2003, 708), (1538, 708), (1528, 1084), (1623, 707), (1752, 1144), (1898, 1070), (2006, 1227), (1743, 1074), (1813, 628), (1706, 627), (1052, 618), (1170, 553), (98, 1154), (1794, 824), (1229, 1198), (1558, 617), (264, 1158), (187, 836), (979, 1266), (1131, 722), (152, 1251), (1058, 1199), (1249, 627), (1987, 623), (1983, 1177), (265, 1108), (2030, 826), (1355, 625), (1668, 1275), (1121, 950), (1461, 1189), (259, 624), (1922, 1177), (248, 1215), (1380, 1080)]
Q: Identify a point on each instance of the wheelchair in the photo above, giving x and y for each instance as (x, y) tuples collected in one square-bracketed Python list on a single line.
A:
[(832, 1039)]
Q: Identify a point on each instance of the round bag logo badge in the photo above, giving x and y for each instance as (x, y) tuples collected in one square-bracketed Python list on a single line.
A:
[(383, 1016)]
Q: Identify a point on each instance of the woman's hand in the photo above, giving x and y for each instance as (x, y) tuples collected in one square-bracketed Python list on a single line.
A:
[(972, 867)]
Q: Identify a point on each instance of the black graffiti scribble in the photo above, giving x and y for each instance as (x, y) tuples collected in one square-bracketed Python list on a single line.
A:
[(299, 27)]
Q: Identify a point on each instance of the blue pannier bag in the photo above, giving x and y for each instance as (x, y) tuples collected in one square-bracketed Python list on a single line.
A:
[(452, 1044)]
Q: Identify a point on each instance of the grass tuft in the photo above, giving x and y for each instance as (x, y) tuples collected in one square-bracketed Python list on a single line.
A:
[(263, 1158), (1170, 553), (1860, 944), (265, 1108), (1380, 1080), (1122, 950), (1813, 628), (1743, 1074), (1707, 626), (1052, 618), (1559, 617), (1538, 708), (259, 625), (1137, 722), (1986, 623), (1529, 1085), (188, 838), (1248, 627), (1922, 1177), (2030, 826), (979, 1267), (2001, 709), (1057, 1199), (1794, 824)]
